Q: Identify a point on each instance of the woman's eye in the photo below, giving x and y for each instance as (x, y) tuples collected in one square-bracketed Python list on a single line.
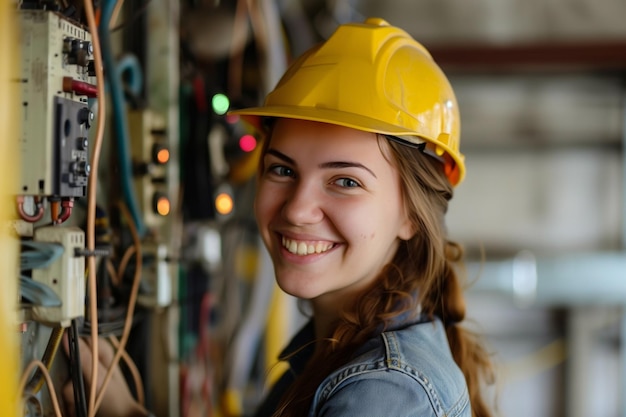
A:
[(347, 183), (281, 171)]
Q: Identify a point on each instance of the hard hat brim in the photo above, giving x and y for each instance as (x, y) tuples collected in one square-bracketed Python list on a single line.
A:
[(255, 115), (355, 121)]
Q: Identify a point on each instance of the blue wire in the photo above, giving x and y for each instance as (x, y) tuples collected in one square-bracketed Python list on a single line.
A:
[(42, 255), (119, 115), (38, 293), (129, 65)]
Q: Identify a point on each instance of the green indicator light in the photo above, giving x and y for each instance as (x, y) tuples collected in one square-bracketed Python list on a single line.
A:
[(220, 104)]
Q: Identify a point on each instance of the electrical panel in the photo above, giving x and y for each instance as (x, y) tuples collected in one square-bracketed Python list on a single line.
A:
[(57, 81), (151, 159)]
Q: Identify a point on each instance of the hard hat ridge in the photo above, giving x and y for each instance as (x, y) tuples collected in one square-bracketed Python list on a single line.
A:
[(374, 77)]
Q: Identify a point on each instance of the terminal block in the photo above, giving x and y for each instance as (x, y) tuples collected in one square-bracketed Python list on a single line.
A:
[(157, 278), (66, 276)]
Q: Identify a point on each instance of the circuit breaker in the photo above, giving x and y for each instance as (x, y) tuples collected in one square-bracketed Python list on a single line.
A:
[(57, 80)]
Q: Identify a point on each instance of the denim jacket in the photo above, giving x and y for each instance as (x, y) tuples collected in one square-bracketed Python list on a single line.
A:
[(407, 371)]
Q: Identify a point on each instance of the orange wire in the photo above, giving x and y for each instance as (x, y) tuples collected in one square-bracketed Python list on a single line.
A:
[(112, 272), (116, 13), (131, 303), (124, 262), (133, 370), (91, 201), (44, 371), (54, 210)]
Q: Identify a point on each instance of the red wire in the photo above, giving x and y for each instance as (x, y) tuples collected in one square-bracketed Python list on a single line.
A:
[(25, 216), (200, 93)]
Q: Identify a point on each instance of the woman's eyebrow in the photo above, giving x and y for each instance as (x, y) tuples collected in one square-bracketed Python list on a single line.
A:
[(346, 164), (331, 164), (280, 155)]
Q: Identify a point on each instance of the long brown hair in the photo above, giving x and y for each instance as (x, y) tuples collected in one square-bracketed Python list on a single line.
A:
[(426, 264)]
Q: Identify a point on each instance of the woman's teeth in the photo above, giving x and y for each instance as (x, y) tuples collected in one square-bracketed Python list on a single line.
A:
[(303, 248)]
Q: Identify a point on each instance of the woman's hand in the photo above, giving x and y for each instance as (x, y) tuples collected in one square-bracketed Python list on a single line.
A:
[(118, 400)]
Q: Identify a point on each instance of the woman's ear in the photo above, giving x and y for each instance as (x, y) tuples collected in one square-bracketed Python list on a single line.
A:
[(407, 229)]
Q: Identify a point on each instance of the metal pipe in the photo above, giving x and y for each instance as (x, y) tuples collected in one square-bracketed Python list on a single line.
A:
[(567, 280), (623, 328)]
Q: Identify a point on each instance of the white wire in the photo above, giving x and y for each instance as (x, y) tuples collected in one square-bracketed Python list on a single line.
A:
[(253, 323)]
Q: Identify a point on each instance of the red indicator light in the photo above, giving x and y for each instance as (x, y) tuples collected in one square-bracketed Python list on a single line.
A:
[(247, 143)]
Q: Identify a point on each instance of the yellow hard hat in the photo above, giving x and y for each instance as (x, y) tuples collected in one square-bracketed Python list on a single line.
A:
[(374, 77)]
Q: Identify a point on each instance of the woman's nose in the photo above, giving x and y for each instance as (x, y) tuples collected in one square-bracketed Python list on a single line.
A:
[(303, 205)]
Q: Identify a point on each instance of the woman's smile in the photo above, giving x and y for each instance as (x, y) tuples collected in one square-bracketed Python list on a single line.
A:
[(303, 248)]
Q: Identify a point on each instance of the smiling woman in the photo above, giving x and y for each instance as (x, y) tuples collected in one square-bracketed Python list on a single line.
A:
[(353, 187), (358, 166)]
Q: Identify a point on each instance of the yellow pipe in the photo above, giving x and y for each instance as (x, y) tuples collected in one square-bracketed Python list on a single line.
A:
[(9, 135), (276, 336)]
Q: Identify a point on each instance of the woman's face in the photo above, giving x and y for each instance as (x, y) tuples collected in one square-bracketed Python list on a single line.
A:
[(330, 210)]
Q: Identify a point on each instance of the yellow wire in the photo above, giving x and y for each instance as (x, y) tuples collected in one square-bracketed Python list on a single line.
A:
[(36, 382)]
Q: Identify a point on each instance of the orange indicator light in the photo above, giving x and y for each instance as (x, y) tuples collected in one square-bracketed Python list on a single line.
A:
[(224, 203), (162, 205), (160, 154)]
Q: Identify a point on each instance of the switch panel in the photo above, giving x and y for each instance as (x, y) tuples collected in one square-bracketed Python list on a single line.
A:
[(151, 157)]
